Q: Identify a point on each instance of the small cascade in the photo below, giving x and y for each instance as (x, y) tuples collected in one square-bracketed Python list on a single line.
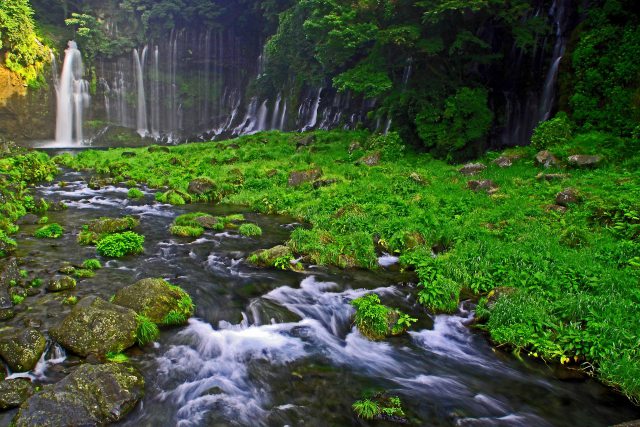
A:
[(557, 13), (142, 101), (314, 113), (406, 75), (276, 113), (283, 118), (72, 97), (155, 96), (263, 111)]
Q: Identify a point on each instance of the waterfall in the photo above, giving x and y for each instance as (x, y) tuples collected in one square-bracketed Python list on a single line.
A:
[(406, 75), (155, 96), (262, 117), (558, 11), (72, 97), (142, 101), (284, 116), (314, 113), (276, 112)]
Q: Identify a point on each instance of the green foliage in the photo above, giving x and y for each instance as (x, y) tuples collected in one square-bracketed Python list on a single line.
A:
[(186, 230), (378, 406), (437, 293), (376, 321), (92, 264), (120, 244), (283, 262), (84, 273), (368, 79), (117, 357), (22, 52), (24, 274), (250, 230), (147, 331), (51, 231), (36, 283), (464, 120), (134, 193), (182, 313), (556, 131), (17, 299), (72, 300), (366, 409), (93, 39)]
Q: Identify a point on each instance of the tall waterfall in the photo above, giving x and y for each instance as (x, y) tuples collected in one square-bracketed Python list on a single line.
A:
[(143, 130), (558, 11), (72, 97)]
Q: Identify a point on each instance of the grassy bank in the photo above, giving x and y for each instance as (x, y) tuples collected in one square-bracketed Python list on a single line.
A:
[(567, 283)]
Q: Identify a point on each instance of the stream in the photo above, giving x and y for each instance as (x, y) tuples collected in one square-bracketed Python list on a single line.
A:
[(276, 348)]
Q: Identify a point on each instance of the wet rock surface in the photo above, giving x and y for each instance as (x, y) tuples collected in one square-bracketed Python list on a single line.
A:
[(14, 392), (65, 283), (96, 326), (21, 348), (90, 395)]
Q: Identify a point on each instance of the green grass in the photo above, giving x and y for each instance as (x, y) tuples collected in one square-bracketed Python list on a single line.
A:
[(91, 264), (119, 245), (134, 193), (250, 230), (186, 231), (147, 331), (117, 357), (576, 274), (51, 231)]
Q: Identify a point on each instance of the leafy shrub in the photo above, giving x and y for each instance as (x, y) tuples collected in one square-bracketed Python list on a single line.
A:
[(437, 293), (147, 331), (92, 264), (186, 231), (83, 273), (17, 299), (134, 193), (120, 244), (51, 231), (556, 131), (250, 230), (376, 321), (378, 406)]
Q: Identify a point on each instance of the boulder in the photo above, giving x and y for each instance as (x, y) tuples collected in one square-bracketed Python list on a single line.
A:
[(28, 219), (567, 197), (156, 299), (65, 283), (14, 392), (584, 161), (22, 348), (96, 326), (298, 178), (200, 186), (324, 183), (370, 159), (483, 185), (546, 159), (91, 395), (551, 176), (6, 314), (268, 257), (158, 149), (503, 162), (472, 169), (9, 275), (113, 225), (207, 221)]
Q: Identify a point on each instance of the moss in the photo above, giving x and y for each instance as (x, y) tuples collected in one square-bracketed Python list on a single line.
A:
[(92, 264), (51, 231), (186, 231), (134, 193), (120, 244)]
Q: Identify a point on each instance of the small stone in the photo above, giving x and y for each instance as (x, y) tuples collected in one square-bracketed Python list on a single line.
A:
[(567, 197), (354, 146), (546, 159), (472, 169), (583, 161), (21, 349), (65, 283), (483, 185), (298, 178), (67, 268), (371, 159), (14, 392), (324, 183), (555, 208), (551, 176), (417, 178), (200, 186), (503, 162)]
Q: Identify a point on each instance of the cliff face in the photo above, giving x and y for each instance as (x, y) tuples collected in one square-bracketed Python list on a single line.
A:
[(197, 83)]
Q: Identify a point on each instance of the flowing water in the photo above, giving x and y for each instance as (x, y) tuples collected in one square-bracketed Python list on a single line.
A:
[(278, 348)]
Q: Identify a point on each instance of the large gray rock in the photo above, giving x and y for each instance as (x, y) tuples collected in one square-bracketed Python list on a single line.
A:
[(567, 197), (546, 159), (91, 395), (200, 186), (21, 349), (9, 275), (14, 392), (156, 299), (96, 326)]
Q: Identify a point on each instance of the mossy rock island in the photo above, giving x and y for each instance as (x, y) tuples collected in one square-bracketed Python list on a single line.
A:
[(91, 395), (21, 348), (158, 300)]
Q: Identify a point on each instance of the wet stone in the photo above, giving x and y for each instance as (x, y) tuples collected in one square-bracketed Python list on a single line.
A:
[(21, 349), (65, 283), (14, 392)]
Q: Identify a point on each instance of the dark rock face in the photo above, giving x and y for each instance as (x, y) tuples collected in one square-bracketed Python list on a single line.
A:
[(63, 284), (90, 395), (14, 392), (370, 160), (472, 169), (200, 186), (9, 273), (584, 161), (154, 298), (95, 326), (483, 185), (567, 197), (298, 178), (546, 159), (21, 349)]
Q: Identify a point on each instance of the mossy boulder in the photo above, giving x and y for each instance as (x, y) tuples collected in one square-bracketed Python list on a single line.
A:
[(298, 178), (96, 326), (158, 300), (201, 186), (14, 392), (112, 225), (90, 395), (279, 256), (65, 283), (21, 349), (9, 275), (472, 169)]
